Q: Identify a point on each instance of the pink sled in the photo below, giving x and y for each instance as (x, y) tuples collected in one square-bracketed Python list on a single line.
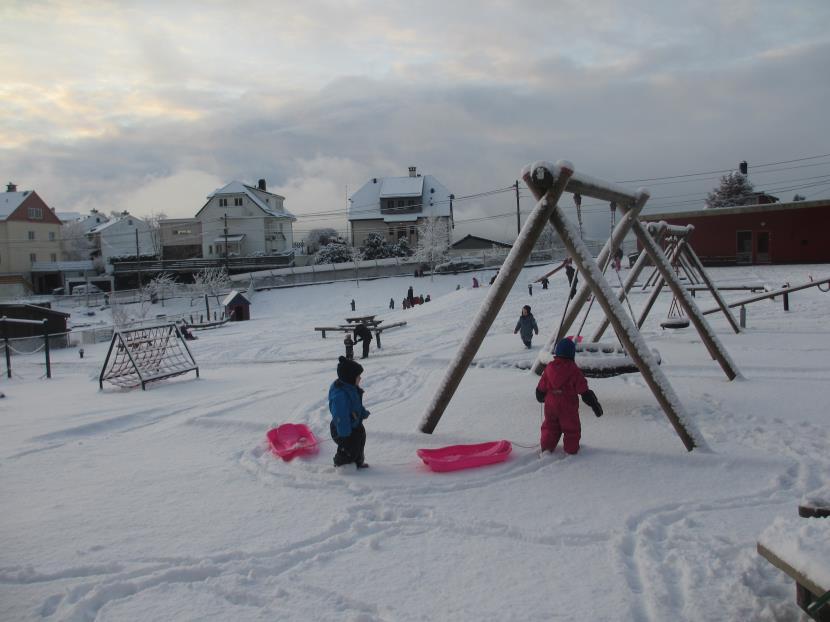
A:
[(291, 440), (457, 457)]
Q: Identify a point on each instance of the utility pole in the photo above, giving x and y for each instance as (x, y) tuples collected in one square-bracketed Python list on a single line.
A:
[(226, 242), (518, 217), (137, 258), (452, 218)]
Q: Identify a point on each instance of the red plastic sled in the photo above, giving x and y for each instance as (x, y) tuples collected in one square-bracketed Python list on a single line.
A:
[(457, 457), (291, 440)]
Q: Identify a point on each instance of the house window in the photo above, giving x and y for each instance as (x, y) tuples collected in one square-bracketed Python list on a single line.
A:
[(51, 236), (400, 202), (36, 213), (210, 249), (181, 232), (237, 201), (223, 202), (53, 257), (33, 257), (130, 222), (31, 235), (410, 203)]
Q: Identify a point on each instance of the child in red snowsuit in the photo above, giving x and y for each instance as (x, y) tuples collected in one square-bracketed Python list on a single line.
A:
[(558, 388)]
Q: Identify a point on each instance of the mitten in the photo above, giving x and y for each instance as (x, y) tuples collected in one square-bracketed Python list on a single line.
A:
[(540, 396), (590, 398)]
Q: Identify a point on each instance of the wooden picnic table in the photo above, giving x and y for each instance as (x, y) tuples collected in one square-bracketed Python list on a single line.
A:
[(360, 319)]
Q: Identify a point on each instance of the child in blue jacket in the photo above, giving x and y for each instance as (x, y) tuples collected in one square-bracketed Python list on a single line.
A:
[(348, 413)]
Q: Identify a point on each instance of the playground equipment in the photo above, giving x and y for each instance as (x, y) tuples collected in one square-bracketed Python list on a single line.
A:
[(784, 292), (547, 182), (4, 321), (143, 355)]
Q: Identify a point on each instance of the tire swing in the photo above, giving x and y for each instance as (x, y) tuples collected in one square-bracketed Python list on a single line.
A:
[(601, 359), (676, 318)]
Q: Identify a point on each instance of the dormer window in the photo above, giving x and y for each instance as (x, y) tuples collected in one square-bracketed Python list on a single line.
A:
[(237, 201), (130, 222), (223, 202), (36, 213)]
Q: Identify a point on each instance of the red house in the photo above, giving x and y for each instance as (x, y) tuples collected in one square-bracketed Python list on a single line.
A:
[(797, 232)]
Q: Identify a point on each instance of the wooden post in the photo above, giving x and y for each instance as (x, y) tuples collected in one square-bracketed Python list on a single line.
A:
[(633, 274), (685, 300), (627, 332), (695, 261), (46, 348), (5, 324), (658, 287), (581, 297), (497, 294)]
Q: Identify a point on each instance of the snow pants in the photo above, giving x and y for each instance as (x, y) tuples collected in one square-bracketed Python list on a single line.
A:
[(555, 426), (349, 448), (526, 342)]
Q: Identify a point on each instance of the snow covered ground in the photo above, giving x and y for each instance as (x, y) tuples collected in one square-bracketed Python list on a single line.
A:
[(166, 505)]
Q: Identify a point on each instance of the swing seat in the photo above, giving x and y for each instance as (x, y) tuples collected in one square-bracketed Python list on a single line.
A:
[(606, 359), (675, 322), (291, 440)]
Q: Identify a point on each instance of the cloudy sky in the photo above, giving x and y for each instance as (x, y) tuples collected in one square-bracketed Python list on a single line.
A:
[(151, 105)]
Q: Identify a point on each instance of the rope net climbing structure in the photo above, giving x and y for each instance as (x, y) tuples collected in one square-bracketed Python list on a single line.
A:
[(143, 355)]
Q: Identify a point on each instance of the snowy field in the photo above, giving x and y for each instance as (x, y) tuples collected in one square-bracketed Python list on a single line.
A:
[(165, 504)]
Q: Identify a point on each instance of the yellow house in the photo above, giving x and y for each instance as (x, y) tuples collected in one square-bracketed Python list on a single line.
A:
[(29, 233)]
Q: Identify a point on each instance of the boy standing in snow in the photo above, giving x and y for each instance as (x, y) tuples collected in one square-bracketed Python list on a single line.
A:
[(527, 326), (558, 388), (347, 413), (362, 334)]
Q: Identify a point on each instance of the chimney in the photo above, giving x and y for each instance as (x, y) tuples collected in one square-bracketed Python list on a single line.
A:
[(10, 187), (412, 170), (261, 185)]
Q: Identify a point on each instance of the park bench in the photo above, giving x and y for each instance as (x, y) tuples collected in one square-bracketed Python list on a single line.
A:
[(789, 546)]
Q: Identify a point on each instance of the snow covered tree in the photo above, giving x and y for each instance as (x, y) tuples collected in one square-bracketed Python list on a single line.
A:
[(334, 252), (317, 238), (211, 281), (433, 241), (75, 246), (799, 197), (734, 189), (401, 248), (154, 221), (376, 247)]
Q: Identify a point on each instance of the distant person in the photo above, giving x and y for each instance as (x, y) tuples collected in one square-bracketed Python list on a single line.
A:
[(561, 383), (391, 303), (363, 335), (493, 278), (618, 255), (427, 299), (530, 288), (545, 282), (347, 414), (410, 295), (572, 276), (526, 326), (475, 283)]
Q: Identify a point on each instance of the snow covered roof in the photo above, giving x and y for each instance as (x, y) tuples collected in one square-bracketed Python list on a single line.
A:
[(114, 221), (434, 197), (402, 187), (237, 187), (69, 216), (10, 201), (234, 294)]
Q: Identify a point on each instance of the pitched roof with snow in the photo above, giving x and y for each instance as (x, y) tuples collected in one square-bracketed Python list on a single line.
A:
[(10, 201), (237, 187), (365, 203)]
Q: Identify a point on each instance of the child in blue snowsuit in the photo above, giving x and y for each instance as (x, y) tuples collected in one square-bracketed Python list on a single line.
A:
[(348, 413), (526, 325)]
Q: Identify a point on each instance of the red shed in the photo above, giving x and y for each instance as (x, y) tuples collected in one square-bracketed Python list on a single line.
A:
[(797, 232)]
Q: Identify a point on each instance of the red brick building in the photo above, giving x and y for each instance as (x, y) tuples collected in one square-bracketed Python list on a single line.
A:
[(796, 232)]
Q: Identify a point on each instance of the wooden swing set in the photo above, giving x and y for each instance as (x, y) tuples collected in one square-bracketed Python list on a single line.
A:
[(547, 182)]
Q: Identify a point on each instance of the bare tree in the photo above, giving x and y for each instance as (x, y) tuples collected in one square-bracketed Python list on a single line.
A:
[(154, 223), (211, 282), (75, 246)]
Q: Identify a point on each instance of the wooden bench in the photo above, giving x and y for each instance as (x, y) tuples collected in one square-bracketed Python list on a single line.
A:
[(812, 592)]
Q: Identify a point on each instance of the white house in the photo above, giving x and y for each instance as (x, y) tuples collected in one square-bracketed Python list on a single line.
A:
[(396, 206), (241, 220), (121, 237)]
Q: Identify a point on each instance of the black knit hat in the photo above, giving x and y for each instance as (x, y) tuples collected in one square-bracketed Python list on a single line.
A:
[(528, 308), (348, 370)]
